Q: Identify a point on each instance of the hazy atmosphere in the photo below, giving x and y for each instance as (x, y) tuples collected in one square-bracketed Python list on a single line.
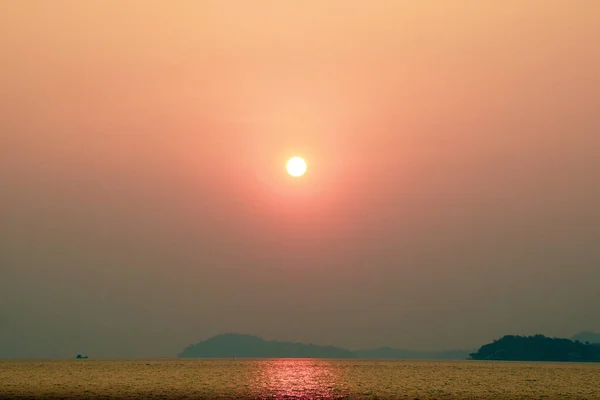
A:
[(452, 193)]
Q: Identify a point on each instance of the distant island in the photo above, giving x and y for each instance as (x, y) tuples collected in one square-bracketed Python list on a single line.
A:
[(584, 347), (538, 348), (587, 337), (247, 346)]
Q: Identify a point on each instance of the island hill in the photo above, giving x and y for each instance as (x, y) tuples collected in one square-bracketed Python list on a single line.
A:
[(515, 348), (540, 348), (247, 346)]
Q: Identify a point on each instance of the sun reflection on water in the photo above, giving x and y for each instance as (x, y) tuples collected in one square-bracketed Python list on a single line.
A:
[(298, 379)]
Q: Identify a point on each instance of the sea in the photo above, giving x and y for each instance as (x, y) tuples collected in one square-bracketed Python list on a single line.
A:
[(296, 379)]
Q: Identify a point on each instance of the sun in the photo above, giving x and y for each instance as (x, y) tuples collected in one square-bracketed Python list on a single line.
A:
[(296, 166)]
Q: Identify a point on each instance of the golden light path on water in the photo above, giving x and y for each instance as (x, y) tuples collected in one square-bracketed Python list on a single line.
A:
[(299, 378)]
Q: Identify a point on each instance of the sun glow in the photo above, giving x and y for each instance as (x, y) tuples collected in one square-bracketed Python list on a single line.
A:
[(296, 166)]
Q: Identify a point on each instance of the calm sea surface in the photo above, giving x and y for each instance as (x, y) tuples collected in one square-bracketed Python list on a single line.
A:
[(297, 379)]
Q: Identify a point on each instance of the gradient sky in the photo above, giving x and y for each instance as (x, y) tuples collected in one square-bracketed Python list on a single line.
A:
[(452, 197)]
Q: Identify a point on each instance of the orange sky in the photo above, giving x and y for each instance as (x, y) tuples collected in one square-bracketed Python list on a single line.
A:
[(450, 145)]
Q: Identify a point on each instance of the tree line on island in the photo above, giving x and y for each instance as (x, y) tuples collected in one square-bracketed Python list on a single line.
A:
[(510, 347)]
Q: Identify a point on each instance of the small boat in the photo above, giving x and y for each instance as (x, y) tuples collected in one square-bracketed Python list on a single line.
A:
[(81, 356)]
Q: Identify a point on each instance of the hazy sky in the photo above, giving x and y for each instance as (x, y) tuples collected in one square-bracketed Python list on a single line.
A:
[(452, 197)]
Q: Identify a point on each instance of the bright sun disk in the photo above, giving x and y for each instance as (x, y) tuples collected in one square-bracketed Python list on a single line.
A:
[(296, 166)]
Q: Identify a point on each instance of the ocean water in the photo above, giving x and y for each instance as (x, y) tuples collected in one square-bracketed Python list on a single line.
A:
[(297, 379)]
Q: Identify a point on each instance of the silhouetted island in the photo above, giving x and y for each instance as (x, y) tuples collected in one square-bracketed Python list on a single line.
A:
[(248, 346), (537, 348)]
